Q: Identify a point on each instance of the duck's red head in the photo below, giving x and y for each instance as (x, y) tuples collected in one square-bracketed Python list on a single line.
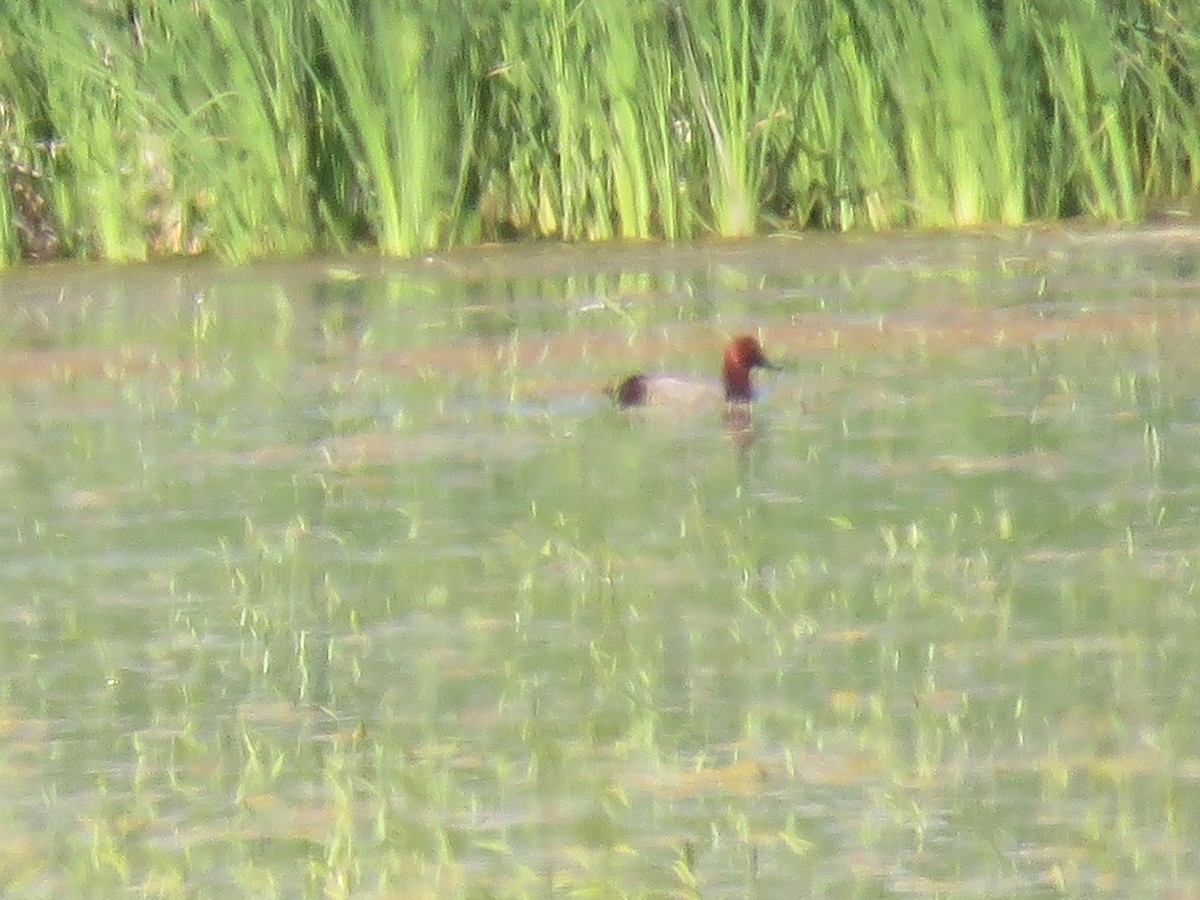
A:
[(742, 354)]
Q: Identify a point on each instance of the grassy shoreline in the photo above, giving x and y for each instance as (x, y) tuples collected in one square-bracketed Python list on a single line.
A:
[(251, 128)]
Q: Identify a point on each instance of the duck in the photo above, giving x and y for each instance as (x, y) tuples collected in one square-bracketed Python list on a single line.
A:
[(742, 353)]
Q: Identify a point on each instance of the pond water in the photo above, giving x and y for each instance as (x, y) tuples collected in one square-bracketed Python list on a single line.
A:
[(342, 578)]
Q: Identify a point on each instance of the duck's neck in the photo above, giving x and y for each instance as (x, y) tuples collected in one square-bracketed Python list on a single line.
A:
[(737, 382)]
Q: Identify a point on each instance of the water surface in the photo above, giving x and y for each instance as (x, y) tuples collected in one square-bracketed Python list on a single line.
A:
[(342, 578)]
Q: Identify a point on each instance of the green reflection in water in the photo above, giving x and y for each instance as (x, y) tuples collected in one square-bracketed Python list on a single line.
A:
[(352, 585)]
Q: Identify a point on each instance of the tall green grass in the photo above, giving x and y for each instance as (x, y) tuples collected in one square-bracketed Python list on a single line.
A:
[(134, 128)]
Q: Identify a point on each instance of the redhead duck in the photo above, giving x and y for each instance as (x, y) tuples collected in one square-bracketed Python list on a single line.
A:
[(742, 354)]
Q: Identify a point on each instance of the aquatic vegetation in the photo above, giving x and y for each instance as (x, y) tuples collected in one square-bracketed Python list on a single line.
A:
[(249, 129)]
